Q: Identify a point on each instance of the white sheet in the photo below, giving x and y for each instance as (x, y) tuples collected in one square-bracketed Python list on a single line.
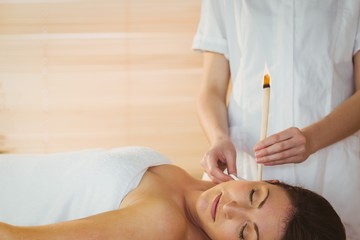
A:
[(45, 188)]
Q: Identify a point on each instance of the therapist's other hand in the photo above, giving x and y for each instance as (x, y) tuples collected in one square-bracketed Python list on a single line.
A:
[(221, 155), (288, 146)]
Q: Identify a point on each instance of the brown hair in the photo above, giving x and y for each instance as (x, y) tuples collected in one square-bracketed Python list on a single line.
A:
[(313, 217)]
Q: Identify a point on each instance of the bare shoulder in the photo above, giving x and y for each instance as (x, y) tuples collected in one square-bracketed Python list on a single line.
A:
[(5, 231), (169, 169), (155, 209), (164, 181), (173, 175)]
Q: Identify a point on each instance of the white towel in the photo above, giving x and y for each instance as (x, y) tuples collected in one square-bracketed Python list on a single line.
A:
[(39, 189)]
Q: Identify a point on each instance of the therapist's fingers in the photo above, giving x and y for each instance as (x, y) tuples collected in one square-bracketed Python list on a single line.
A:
[(293, 155), (278, 137), (220, 156), (289, 146), (282, 147), (214, 165), (230, 156), (295, 159)]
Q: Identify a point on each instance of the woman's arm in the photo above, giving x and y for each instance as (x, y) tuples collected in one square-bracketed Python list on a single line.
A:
[(140, 221), (294, 145), (341, 123), (212, 112)]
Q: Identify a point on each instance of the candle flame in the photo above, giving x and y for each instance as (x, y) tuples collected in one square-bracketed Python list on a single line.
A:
[(266, 83)]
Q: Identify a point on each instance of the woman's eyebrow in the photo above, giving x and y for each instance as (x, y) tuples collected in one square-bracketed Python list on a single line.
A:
[(263, 201)]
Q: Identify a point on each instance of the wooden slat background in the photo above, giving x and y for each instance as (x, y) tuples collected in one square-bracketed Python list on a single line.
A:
[(80, 74)]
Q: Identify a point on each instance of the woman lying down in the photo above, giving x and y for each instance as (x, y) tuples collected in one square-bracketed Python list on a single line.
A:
[(135, 193)]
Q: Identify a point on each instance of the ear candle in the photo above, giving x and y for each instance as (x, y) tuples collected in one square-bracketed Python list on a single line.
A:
[(264, 115)]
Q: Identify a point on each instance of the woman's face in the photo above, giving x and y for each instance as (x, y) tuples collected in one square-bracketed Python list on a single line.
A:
[(244, 210)]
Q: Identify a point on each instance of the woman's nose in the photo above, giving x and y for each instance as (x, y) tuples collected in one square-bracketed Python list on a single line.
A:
[(234, 209)]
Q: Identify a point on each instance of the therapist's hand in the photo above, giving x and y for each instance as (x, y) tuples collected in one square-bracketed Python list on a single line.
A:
[(288, 146), (221, 155)]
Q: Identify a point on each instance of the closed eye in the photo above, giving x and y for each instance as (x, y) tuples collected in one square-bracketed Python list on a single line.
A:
[(251, 197), (241, 235), (264, 200)]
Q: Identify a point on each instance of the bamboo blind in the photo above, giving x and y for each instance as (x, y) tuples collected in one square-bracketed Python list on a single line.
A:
[(78, 74)]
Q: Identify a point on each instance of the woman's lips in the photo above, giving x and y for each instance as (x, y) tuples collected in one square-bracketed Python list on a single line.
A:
[(214, 206)]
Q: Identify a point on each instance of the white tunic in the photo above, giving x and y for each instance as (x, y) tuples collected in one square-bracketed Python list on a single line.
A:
[(308, 47), (40, 189)]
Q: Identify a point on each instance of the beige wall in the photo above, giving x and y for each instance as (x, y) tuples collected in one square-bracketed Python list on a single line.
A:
[(80, 74)]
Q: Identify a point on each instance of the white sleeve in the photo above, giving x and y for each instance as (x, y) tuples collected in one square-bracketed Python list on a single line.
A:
[(210, 35)]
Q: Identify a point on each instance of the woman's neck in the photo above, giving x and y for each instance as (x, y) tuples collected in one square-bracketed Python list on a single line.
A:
[(190, 200), (191, 197)]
